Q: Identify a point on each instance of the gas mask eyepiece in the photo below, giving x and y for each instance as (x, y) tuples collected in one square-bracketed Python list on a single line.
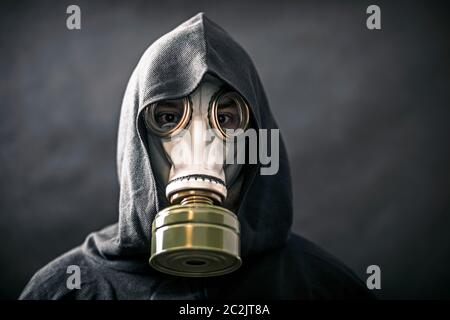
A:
[(196, 236)]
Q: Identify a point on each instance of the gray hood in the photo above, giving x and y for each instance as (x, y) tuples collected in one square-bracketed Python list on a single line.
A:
[(173, 66)]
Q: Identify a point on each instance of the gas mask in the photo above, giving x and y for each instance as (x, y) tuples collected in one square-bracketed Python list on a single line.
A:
[(196, 236)]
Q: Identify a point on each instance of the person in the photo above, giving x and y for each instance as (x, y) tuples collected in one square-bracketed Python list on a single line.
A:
[(230, 234)]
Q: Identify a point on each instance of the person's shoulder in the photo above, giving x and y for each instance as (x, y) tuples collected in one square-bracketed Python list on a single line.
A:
[(327, 276), (66, 277)]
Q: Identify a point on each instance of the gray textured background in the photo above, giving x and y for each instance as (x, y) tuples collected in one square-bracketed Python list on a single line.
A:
[(365, 115)]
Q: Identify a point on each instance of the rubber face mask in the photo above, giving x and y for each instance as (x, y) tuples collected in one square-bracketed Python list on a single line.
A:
[(196, 236)]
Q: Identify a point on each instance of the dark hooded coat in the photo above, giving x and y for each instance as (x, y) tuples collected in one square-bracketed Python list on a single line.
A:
[(114, 261)]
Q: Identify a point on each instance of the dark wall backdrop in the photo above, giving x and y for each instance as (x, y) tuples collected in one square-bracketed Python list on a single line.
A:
[(365, 115)]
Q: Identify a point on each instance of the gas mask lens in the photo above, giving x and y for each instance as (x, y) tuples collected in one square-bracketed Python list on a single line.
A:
[(165, 117), (228, 112)]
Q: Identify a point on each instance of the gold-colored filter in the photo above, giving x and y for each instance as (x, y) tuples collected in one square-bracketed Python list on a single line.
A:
[(195, 239)]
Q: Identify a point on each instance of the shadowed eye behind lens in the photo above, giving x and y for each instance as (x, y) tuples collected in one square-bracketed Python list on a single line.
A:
[(229, 112), (168, 115), (165, 117)]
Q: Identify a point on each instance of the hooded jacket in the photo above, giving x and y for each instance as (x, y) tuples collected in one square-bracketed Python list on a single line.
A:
[(114, 261)]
